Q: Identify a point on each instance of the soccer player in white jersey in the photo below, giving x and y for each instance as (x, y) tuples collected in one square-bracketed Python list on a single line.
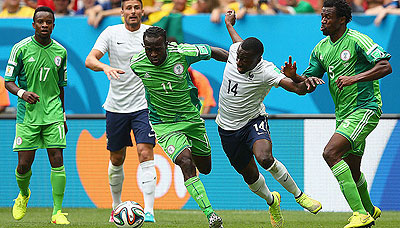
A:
[(126, 106), (242, 120)]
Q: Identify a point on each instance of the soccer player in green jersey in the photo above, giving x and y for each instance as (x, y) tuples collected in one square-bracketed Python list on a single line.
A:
[(174, 107), (39, 64), (354, 63)]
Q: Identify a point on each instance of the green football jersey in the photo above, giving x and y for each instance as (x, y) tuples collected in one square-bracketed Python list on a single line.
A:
[(39, 69), (170, 93), (352, 54)]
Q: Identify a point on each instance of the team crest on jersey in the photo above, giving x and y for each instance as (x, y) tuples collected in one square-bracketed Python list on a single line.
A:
[(19, 140), (9, 71), (146, 75), (250, 75), (170, 149), (178, 68), (57, 60), (345, 55)]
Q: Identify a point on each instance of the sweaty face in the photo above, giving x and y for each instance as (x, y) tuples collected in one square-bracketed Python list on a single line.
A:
[(132, 11), (246, 60), (43, 24), (330, 24), (156, 49)]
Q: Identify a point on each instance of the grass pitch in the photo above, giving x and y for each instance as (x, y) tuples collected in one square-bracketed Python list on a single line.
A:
[(89, 217)]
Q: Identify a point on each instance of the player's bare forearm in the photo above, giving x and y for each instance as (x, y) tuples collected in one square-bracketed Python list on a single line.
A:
[(380, 70), (12, 87), (297, 78), (93, 60), (301, 88), (62, 97), (27, 96), (219, 54), (230, 20)]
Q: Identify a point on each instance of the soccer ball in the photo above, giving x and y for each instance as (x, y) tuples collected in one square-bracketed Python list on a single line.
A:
[(128, 214)]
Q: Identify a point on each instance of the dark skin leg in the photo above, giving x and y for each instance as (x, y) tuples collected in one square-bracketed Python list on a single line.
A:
[(250, 172), (186, 162), (262, 150), (55, 157), (203, 163), (337, 146), (25, 160)]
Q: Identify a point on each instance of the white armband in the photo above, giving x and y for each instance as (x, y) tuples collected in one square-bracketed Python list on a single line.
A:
[(20, 93), (65, 117)]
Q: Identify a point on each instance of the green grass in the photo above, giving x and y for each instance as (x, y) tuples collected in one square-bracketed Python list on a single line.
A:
[(83, 217)]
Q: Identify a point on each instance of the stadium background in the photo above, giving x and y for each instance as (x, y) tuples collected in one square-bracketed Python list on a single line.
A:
[(298, 141)]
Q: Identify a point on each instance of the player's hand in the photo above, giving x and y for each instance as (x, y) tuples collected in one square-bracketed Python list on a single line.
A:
[(312, 83), (113, 72), (230, 17), (289, 69), (30, 97), (343, 81)]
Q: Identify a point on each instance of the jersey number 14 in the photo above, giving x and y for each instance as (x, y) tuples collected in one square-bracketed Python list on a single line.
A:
[(232, 89)]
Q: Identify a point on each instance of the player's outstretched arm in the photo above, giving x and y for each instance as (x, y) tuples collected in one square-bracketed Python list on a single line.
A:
[(289, 70), (380, 70), (230, 20), (93, 62), (219, 54), (301, 88), (27, 96)]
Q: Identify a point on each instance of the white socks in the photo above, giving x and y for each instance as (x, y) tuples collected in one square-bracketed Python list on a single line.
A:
[(115, 178), (148, 179), (260, 188), (280, 173)]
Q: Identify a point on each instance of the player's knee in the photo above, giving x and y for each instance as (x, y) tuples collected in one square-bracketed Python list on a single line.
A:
[(204, 170), (266, 162), (145, 155), (117, 159), (23, 167), (186, 164), (330, 155)]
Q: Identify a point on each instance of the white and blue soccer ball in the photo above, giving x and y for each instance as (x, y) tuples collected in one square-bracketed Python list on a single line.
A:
[(129, 214)]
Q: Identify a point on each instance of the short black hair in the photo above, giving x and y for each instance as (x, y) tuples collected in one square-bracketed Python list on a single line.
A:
[(44, 9), (155, 31), (254, 45), (122, 2), (343, 8)]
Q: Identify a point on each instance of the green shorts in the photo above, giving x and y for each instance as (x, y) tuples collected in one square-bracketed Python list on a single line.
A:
[(356, 127), (175, 137), (33, 137)]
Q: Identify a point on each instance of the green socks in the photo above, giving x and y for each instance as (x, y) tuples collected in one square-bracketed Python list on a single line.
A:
[(363, 192), (58, 180), (196, 189), (23, 181), (349, 189)]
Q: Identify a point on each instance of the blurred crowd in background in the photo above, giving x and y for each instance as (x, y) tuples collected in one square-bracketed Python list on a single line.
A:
[(156, 11), (168, 13)]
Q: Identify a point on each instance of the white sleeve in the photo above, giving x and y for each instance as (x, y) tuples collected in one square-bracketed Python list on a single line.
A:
[(103, 41), (272, 75)]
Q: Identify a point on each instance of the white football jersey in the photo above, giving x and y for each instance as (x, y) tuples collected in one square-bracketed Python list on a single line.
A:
[(126, 94), (241, 96)]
